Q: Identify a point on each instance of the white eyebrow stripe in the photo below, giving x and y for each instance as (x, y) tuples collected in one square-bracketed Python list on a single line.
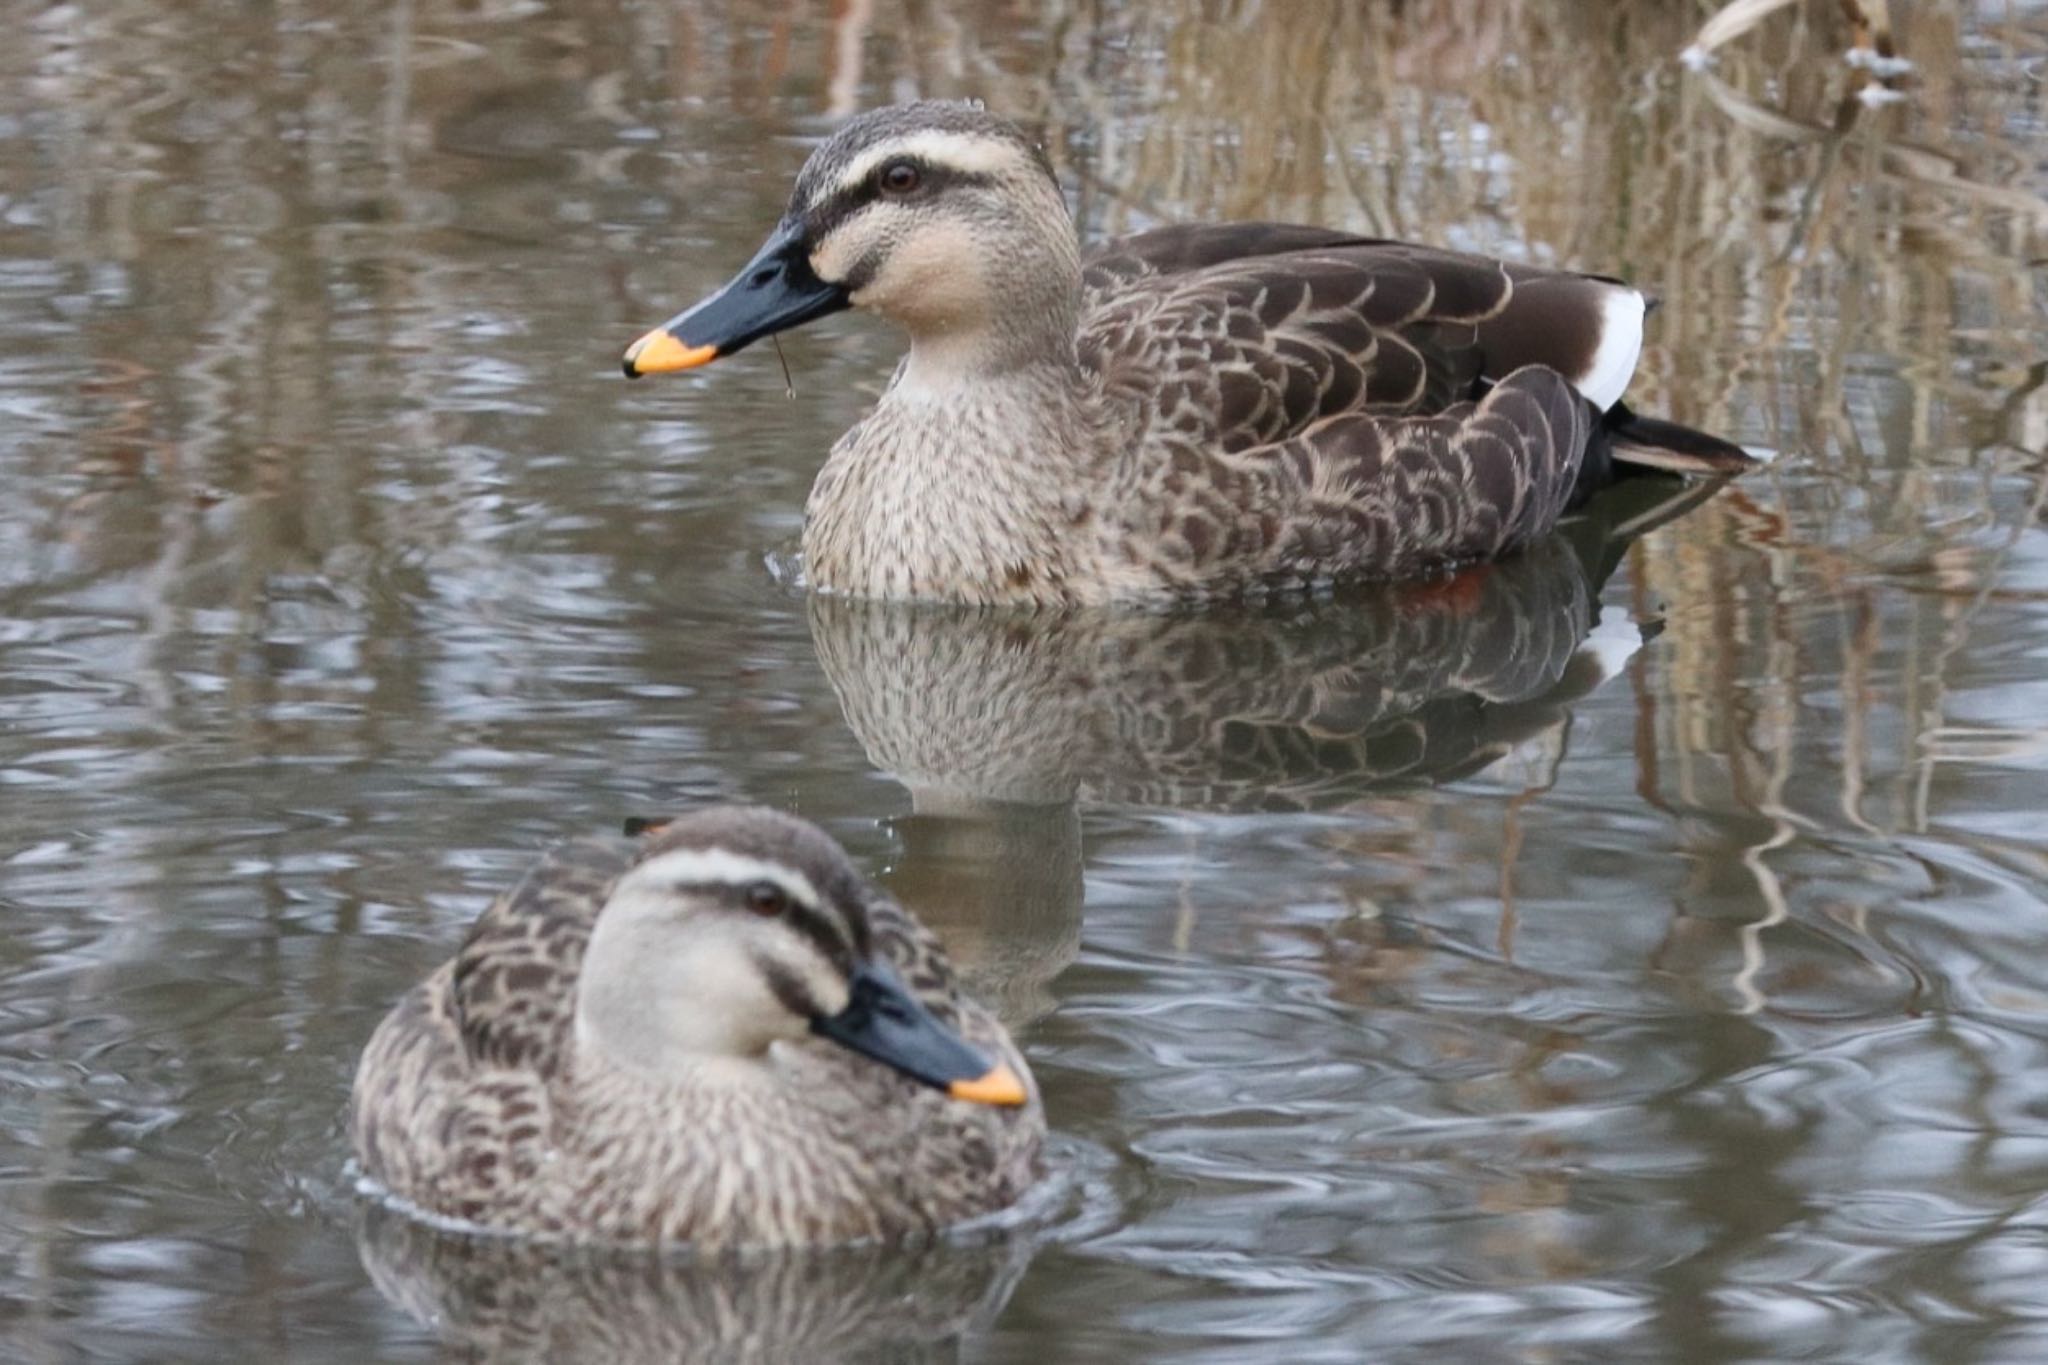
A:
[(970, 152), (723, 867)]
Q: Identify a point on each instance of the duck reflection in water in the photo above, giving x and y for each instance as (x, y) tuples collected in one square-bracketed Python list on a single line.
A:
[(521, 1301), (1002, 725)]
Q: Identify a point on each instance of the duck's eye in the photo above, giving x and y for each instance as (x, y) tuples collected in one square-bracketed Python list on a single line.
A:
[(901, 177), (766, 898)]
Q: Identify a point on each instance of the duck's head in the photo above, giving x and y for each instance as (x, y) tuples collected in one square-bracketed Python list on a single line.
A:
[(938, 215), (740, 928)]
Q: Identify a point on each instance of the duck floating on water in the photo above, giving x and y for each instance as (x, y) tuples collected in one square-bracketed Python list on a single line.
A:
[(717, 1034), (1190, 412)]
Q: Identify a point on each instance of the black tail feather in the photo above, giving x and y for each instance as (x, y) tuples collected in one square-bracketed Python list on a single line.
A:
[(1652, 443)]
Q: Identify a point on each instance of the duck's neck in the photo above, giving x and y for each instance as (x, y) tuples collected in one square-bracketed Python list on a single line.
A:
[(973, 478)]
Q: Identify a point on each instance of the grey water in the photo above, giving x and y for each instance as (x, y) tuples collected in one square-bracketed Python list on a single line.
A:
[(1636, 950)]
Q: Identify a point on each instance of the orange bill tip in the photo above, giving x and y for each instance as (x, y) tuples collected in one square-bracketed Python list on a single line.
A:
[(999, 1086), (661, 351)]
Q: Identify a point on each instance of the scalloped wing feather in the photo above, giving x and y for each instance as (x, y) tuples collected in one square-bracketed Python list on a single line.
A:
[(1311, 323), (1419, 495), (452, 1088), (1359, 495), (514, 978), (1308, 398)]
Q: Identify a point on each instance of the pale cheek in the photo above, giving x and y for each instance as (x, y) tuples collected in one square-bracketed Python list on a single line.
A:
[(831, 995), (937, 287), (833, 260)]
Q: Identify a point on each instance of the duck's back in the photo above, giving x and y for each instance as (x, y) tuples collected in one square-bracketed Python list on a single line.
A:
[(1300, 324)]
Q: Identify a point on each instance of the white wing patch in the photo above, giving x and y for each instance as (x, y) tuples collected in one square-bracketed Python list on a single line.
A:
[(1620, 347)]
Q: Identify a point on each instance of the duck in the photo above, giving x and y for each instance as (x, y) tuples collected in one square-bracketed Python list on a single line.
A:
[(1192, 412), (715, 1033)]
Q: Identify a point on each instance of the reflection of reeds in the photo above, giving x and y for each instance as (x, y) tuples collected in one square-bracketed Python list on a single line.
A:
[(294, 244), (1806, 246), (1870, 23)]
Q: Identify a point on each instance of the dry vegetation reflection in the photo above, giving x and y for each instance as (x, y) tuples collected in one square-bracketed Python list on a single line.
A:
[(321, 465)]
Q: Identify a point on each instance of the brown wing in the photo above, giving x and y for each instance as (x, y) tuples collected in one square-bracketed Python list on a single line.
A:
[(1185, 247), (1315, 404), (451, 1101), (1361, 496), (1257, 330), (513, 984), (1412, 496)]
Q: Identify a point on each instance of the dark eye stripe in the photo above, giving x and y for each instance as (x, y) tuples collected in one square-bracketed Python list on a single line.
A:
[(862, 926), (844, 202), (822, 929), (862, 272), (787, 987), (841, 938)]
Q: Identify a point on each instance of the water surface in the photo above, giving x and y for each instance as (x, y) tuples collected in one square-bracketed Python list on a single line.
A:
[(1416, 976)]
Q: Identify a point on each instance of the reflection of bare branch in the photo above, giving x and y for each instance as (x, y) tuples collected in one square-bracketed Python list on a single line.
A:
[(1776, 912), (1733, 20), (399, 90), (1935, 742), (849, 32), (1870, 20), (1920, 167)]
